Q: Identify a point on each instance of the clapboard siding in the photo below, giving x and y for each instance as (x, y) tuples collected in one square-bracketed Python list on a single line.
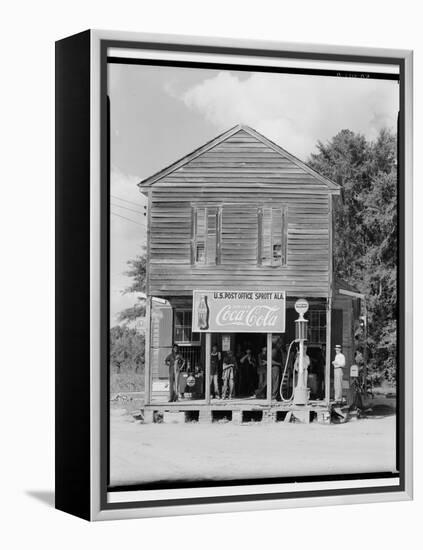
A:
[(239, 175)]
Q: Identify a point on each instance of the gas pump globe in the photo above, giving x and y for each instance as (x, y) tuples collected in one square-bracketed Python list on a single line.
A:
[(301, 392)]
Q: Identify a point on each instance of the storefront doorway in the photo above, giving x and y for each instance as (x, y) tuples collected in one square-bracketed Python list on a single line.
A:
[(245, 349), (248, 353)]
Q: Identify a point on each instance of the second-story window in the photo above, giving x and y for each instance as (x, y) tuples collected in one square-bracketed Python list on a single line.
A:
[(272, 236), (206, 235)]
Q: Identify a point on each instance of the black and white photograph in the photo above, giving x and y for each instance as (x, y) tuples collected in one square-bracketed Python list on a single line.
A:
[(210, 287), (253, 274)]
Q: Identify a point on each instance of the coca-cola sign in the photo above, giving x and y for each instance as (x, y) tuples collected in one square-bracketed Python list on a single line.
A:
[(238, 311)]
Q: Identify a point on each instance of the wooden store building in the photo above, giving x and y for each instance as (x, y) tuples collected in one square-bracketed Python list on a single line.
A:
[(238, 231)]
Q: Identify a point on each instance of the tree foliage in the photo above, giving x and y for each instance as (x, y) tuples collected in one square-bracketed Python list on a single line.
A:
[(137, 269), (127, 348), (365, 237), (127, 345)]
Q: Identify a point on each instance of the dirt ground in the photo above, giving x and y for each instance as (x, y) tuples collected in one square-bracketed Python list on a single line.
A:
[(143, 453)]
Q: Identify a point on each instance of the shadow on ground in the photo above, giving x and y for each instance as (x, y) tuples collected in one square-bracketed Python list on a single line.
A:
[(46, 497), (378, 411)]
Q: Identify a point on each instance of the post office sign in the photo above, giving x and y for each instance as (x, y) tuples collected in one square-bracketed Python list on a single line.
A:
[(238, 311)]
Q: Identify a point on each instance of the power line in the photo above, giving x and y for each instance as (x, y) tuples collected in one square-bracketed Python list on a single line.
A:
[(125, 218), (128, 219), (126, 208), (125, 200)]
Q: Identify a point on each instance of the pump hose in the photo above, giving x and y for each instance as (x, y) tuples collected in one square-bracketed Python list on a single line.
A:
[(283, 376)]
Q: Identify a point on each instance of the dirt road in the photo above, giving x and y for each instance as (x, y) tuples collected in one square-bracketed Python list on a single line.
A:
[(142, 453)]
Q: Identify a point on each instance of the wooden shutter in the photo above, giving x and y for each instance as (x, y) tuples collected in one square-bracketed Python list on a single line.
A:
[(211, 240), (266, 235), (200, 235), (273, 235), (205, 235)]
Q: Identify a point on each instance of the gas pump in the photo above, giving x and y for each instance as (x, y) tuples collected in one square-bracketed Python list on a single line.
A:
[(300, 392)]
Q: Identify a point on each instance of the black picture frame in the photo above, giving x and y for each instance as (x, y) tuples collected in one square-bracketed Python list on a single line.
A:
[(82, 280)]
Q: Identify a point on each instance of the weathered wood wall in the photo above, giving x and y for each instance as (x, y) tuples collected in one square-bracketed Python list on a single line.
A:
[(246, 174), (346, 338)]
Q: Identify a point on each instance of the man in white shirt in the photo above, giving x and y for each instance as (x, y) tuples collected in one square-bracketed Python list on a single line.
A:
[(338, 365)]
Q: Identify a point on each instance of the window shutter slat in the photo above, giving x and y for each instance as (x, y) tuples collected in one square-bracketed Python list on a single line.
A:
[(273, 236), (211, 235)]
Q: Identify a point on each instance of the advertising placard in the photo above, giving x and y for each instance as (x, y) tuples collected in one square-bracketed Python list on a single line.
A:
[(238, 311)]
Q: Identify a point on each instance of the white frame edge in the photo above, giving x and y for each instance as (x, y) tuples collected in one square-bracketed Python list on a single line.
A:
[(95, 276), (408, 268)]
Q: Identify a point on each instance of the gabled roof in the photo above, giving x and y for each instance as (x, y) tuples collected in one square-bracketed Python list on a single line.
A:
[(332, 186)]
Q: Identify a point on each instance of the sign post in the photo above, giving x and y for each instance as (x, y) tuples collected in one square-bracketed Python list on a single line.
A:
[(269, 388), (207, 373)]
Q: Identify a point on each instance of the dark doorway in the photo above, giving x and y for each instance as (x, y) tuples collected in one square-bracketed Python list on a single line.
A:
[(249, 371)]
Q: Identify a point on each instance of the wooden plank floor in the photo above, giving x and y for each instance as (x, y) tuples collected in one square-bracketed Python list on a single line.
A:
[(231, 404)]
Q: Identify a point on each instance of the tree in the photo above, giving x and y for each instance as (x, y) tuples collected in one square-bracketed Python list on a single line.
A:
[(137, 271), (127, 348), (365, 239), (127, 345)]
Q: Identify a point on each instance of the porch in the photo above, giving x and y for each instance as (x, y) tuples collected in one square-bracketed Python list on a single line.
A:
[(236, 410)]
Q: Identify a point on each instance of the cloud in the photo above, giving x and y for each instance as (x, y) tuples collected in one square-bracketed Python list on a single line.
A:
[(295, 111)]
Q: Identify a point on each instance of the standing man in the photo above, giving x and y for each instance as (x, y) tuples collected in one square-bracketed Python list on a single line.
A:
[(338, 365), (215, 358), (172, 361)]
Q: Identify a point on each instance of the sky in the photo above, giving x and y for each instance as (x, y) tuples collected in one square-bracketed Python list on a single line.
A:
[(160, 114)]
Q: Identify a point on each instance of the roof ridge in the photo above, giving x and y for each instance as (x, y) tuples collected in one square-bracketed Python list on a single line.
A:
[(190, 156), (220, 139)]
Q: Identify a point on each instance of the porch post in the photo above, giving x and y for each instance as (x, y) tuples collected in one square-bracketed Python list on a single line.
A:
[(328, 348), (207, 374), (269, 368), (147, 353)]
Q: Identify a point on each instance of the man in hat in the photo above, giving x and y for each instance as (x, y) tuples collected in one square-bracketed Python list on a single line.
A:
[(338, 365)]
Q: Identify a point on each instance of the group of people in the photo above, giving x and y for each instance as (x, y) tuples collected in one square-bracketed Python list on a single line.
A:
[(233, 375), (243, 374)]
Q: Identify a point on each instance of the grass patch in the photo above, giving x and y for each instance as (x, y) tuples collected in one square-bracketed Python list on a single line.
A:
[(126, 382)]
